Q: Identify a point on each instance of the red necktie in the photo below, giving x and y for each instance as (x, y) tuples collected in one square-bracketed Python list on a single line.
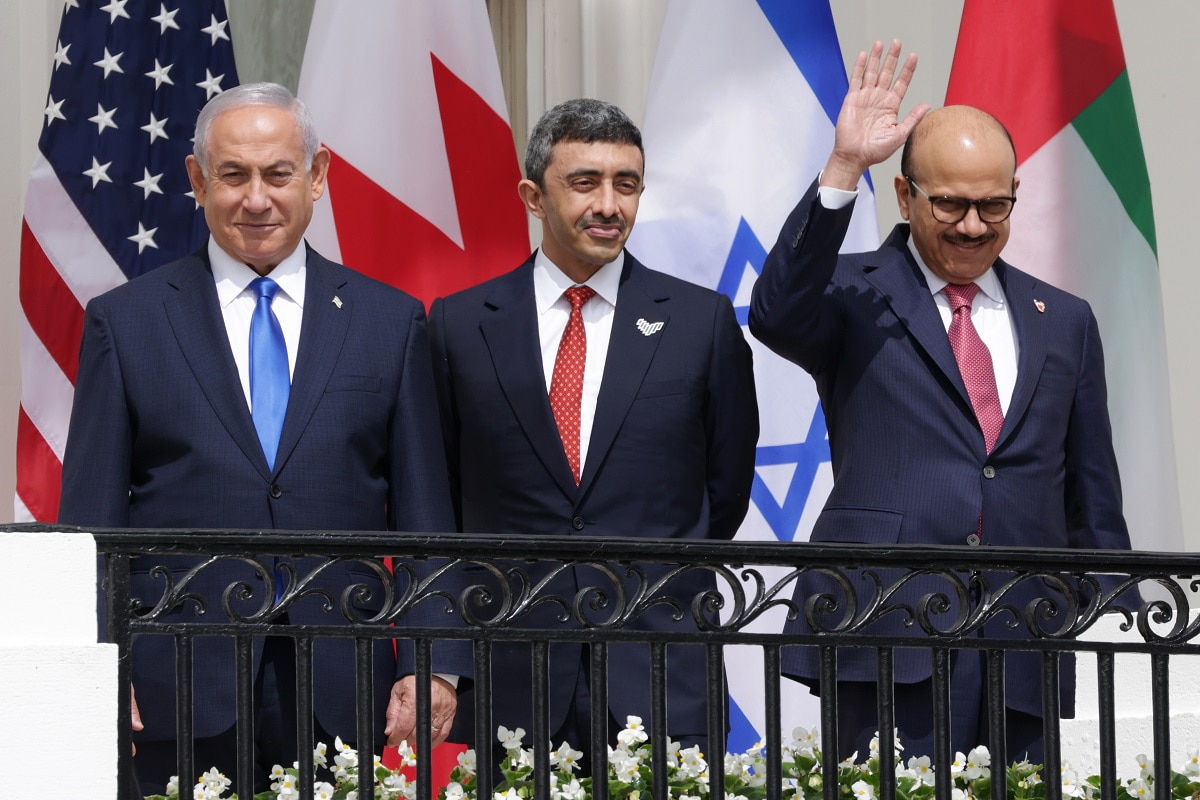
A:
[(566, 386), (974, 362)]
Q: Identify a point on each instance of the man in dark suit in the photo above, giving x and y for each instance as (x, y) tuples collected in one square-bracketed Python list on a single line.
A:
[(1014, 449), (172, 428), (645, 428)]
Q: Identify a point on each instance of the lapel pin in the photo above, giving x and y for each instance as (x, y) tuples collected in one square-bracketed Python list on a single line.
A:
[(649, 328), (1040, 306), (337, 301)]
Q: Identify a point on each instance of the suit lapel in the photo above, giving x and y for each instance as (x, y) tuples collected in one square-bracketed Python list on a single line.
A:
[(1029, 325), (629, 355), (194, 315), (321, 337), (898, 280), (509, 330)]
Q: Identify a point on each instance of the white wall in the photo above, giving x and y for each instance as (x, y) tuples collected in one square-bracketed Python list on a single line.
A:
[(605, 48)]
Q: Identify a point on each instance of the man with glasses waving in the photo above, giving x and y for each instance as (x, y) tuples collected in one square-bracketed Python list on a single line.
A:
[(965, 399)]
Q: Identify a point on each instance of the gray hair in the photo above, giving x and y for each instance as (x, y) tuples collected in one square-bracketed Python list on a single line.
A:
[(256, 94), (580, 120)]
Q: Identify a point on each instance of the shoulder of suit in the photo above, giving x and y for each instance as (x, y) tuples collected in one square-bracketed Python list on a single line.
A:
[(671, 285), (364, 286)]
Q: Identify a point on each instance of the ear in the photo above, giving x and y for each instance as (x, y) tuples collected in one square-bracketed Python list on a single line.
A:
[(196, 178), (319, 171), (1016, 185), (531, 196), (902, 195)]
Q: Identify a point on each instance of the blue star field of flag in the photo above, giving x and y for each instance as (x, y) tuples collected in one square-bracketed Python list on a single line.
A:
[(129, 78), (782, 516)]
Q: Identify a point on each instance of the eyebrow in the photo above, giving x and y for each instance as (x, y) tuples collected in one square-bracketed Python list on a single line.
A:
[(272, 166), (591, 172)]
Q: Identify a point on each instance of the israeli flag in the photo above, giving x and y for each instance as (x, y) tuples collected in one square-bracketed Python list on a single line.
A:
[(739, 120)]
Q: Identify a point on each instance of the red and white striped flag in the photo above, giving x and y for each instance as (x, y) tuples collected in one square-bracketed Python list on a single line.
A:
[(1053, 72), (108, 196), (422, 189)]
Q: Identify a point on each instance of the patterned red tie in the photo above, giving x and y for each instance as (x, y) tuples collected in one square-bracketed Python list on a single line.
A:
[(974, 362), (566, 386)]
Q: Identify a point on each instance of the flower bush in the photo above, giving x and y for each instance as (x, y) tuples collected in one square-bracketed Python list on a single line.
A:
[(630, 777)]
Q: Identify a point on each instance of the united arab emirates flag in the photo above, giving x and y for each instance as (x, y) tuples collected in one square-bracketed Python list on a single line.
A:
[(1053, 72)]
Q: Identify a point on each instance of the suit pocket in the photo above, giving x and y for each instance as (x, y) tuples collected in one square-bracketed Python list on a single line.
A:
[(665, 388), (866, 525), (354, 383)]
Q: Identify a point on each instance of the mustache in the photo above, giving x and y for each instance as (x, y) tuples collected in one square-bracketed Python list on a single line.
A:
[(596, 220), (958, 238)]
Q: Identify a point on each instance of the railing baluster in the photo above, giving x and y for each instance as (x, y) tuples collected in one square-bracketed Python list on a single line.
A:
[(244, 649), (1105, 678), (829, 722), (485, 733), (774, 721), (942, 756), (541, 718), (715, 676), (997, 735), (598, 690), (1050, 713), (1160, 700), (424, 676), (884, 692), (303, 646), (658, 717), (183, 713)]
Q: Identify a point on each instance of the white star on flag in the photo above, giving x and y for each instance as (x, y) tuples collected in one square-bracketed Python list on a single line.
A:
[(149, 184), (165, 19), (103, 118), (110, 63), (98, 172), (144, 238), (115, 8), (155, 128), (53, 110), (216, 29), (211, 85), (60, 55), (159, 73)]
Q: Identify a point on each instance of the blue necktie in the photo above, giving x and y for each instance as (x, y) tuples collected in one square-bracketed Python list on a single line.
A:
[(269, 380)]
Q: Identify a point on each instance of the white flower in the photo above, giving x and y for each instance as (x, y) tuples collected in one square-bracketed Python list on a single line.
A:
[(454, 791), (805, 740), (319, 755), (466, 762), (565, 758), (691, 762), (346, 756), (408, 756), (626, 770), (1139, 788), (511, 794), (1192, 765), (323, 791), (863, 790), (978, 761), (873, 747), (511, 740), (1147, 765), (633, 734), (959, 794), (572, 791), (1070, 784), (920, 770), (958, 764), (173, 786)]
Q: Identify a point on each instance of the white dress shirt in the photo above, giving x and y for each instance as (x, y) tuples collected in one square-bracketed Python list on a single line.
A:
[(989, 311), (237, 302), (553, 311)]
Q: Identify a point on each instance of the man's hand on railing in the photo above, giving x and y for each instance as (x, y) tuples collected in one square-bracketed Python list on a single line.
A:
[(134, 714), (402, 710)]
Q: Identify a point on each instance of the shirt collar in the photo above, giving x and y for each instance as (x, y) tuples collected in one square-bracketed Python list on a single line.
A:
[(549, 282), (232, 276), (988, 282)]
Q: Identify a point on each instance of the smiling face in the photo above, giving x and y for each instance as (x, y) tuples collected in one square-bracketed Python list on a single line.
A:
[(588, 205), (962, 153), (257, 194)]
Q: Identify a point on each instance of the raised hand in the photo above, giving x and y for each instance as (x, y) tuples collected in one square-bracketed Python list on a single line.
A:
[(869, 128)]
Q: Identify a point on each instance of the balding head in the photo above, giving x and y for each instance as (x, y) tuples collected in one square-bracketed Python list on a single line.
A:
[(960, 152)]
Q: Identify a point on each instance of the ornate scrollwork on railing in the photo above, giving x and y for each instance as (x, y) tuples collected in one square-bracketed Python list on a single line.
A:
[(877, 594)]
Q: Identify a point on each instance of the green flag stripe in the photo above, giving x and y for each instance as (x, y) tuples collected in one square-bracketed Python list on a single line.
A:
[(1109, 129)]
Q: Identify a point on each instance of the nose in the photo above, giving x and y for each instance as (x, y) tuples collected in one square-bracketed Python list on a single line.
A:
[(605, 201), (256, 200), (972, 224)]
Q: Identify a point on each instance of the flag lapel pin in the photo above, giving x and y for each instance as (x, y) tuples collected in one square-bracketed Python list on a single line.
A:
[(337, 301), (1040, 306), (648, 328)]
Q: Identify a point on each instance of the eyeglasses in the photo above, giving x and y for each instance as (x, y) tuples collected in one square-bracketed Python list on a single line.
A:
[(951, 210)]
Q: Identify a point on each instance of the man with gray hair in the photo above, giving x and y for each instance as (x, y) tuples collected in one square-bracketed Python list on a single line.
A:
[(585, 395), (256, 385)]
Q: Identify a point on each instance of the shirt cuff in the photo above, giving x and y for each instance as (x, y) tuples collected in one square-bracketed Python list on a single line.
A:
[(448, 678), (833, 198)]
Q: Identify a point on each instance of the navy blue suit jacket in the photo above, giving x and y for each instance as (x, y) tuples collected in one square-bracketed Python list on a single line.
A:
[(671, 455), (161, 437), (909, 460)]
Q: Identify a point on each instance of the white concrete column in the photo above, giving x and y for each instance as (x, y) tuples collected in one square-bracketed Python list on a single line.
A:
[(58, 687)]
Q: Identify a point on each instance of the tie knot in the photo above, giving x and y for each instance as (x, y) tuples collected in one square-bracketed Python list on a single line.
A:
[(264, 287), (960, 295), (578, 295)]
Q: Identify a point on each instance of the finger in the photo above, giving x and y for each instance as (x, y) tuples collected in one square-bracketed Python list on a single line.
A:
[(904, 79), (860, 67), (871, 77), (889, 64), (905, 127)]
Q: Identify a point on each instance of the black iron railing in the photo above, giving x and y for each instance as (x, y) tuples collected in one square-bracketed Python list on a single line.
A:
[(482, 587)]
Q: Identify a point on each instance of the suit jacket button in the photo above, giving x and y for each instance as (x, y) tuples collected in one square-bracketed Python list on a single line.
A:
[(577, 523), (989, 472), (973, 540), (276, 492)]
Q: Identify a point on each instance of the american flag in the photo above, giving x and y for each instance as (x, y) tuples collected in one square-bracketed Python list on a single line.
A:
[(108, 196)]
